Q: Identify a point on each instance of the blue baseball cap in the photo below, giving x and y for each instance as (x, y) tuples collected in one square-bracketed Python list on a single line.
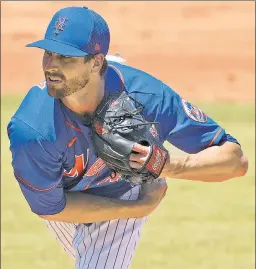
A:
[(75, 31)]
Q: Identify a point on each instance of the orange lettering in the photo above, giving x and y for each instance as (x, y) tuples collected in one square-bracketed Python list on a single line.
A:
[(115, 178), (96, 168), (78, 167), (110, 179)]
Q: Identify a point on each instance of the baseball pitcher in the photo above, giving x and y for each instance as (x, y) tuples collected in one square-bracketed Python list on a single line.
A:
[(87, 143)]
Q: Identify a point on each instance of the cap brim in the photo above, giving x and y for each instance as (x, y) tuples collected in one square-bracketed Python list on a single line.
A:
[(57, 47)]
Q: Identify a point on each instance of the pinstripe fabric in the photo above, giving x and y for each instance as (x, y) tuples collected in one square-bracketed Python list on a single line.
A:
[(65, 238), (103, 245)]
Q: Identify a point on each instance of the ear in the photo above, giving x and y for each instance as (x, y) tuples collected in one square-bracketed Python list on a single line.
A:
[(98, 60)]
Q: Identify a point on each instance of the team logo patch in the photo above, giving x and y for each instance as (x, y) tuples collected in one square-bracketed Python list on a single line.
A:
[(59, 25), (97, 47), (193, 112)]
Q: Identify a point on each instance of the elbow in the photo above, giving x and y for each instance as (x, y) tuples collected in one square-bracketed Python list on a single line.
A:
[(241, 166), (238, 169)]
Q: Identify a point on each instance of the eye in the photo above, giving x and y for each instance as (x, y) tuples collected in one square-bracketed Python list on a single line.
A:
[(47, 52), (65, 57)]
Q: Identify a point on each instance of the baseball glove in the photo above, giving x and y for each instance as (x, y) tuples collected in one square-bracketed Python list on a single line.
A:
[(116, 126)]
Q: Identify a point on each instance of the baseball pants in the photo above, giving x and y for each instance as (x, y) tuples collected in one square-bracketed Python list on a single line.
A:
[(103, 245)]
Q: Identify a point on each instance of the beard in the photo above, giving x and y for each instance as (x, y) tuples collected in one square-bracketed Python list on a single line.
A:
[(67, 87)]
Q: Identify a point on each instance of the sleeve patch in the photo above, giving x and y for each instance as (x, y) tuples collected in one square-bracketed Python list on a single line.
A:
[(193, 112)]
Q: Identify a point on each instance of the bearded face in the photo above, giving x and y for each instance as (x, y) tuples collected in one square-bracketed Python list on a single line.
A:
[(65, 75)]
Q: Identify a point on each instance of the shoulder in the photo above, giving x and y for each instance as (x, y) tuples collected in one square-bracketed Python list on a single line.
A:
[(20, 133), (155, 95), (38, 118), (23, 139), (138, 81)]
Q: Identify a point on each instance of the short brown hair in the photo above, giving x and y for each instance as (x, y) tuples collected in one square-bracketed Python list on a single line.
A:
[(104, 67)]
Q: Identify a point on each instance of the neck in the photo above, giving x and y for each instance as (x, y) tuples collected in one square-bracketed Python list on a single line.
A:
[(87, 99)]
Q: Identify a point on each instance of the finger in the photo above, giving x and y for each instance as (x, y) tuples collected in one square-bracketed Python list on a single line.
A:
[(135, 165), (140, 148), (140, 158)]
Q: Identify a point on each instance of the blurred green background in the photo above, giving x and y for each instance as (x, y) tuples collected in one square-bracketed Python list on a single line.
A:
[(197, 226)]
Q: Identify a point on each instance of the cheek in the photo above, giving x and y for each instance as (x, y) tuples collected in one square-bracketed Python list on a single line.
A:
[(45, 62), (77, 72)]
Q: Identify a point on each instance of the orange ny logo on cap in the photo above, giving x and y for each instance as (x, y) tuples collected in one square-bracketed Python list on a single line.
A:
[(59, 25), (97, 47)]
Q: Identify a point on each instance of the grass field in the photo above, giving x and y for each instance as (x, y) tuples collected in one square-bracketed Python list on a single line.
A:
[(197, 226)]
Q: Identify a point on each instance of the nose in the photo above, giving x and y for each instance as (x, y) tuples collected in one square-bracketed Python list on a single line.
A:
[(51, 62)]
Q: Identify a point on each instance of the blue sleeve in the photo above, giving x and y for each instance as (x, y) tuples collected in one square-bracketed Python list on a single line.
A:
[(37, 167), (181, 123)]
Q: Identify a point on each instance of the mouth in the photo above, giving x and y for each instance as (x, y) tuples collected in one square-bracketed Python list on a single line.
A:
[(53, 80)]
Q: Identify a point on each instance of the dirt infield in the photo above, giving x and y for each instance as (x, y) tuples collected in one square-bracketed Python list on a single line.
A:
[(203, 50)]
